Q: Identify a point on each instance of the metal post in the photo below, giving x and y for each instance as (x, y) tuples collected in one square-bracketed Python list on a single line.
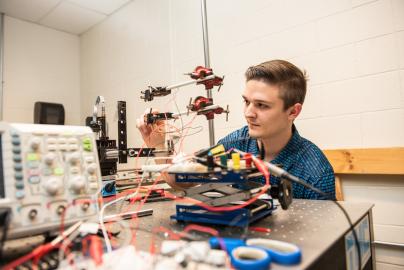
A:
[(1, 64), (207, 64)]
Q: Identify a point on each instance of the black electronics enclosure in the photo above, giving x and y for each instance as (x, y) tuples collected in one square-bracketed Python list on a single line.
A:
[(49, 113)]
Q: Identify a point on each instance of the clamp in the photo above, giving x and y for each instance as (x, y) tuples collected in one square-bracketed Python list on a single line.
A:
[(152, 118), (201, 75), (152, 92), (205, 106)]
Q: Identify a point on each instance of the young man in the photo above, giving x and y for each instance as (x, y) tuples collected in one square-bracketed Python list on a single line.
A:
[(273, 98)]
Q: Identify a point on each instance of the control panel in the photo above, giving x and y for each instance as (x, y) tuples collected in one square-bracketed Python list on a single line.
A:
[(48, 173)]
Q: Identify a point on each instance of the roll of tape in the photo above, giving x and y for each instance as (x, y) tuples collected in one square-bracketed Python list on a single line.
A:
[(280, 252), (247, 258)]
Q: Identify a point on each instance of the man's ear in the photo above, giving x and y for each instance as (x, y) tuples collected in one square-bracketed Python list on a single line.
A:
[(294, 111)]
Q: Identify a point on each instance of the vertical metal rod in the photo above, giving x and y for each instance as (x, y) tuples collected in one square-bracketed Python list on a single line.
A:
[(207, 64), (1, 64), (205, 34)]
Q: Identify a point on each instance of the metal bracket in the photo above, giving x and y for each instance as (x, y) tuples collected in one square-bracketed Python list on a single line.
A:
[(122, 136)]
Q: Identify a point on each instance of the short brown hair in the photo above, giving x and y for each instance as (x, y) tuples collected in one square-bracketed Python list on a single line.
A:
[(290, 79)]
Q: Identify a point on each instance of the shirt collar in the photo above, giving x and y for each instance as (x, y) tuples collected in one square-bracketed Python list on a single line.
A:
[(291, 147)]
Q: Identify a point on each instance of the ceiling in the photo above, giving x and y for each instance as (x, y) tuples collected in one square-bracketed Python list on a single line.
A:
[(72, 16)]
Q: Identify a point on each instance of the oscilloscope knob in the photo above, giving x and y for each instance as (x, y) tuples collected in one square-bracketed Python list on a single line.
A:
[(53, 185), (74, 158), (92, 168), (35, 143), (50, 158), (77, 184)]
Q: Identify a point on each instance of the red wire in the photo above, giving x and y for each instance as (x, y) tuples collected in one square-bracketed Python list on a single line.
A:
[(36, 254), (259, 229), (200, 228), (183, 137), (260, 165), (134, 221)]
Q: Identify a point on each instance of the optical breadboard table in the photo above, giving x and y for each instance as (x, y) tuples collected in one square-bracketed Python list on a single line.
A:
[(319, 228)]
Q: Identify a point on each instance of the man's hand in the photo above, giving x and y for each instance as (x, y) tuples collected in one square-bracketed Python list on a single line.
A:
[(154, 134)]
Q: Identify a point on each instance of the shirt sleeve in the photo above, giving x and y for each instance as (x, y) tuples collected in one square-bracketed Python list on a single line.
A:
[(325, 183), (317, 171), (231, 140)]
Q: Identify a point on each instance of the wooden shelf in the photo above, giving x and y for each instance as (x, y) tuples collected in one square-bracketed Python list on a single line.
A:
[(379, 161), (367, 161)]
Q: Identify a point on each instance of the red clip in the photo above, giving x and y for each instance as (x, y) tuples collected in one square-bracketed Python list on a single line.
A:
[(201, 72)]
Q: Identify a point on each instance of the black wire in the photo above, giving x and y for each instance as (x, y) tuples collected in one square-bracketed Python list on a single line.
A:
[(262, 151), (331, 197), (6, 224)]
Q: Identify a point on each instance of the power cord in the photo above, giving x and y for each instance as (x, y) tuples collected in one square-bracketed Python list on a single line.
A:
[(285, 175)]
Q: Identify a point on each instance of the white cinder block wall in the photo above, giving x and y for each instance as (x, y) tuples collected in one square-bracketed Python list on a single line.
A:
[(40, 64), (353, 52)]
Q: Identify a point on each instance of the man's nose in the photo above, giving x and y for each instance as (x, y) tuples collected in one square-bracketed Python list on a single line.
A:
[(249, 111)]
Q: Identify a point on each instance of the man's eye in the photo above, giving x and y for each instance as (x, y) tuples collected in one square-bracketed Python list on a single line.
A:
[(246, 101), (261, 105)]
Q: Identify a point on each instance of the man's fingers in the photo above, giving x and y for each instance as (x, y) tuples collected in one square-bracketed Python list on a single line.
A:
[(143, 128), (159, 123), (138, 123)]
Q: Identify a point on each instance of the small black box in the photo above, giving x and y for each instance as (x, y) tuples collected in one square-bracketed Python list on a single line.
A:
[(49, 113)]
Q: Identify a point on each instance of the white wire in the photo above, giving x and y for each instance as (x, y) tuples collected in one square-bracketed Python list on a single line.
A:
[(101, 215), (95, 199), (101, 219)]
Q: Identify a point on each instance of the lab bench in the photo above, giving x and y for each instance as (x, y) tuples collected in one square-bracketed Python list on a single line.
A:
[(319, 228)]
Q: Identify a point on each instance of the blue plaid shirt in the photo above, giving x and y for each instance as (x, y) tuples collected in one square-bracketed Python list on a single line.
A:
[(300, 157)]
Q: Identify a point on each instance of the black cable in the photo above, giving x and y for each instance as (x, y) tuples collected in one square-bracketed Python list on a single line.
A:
[(293, 178), (5, 221), (262, 151)]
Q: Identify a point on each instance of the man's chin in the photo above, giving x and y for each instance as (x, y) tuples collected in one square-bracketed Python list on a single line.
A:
[(254, 134)]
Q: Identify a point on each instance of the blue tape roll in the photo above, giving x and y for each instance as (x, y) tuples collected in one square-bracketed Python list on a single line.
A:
[(229, 243), (247, 258), (280, 252)]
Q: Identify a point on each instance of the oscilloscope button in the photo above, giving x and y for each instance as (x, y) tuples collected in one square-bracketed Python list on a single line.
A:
[(34, 179), (15, 141), (19, 184), (17, 158), (18, 167), (16, 149), (19, 175), (19, 194)]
